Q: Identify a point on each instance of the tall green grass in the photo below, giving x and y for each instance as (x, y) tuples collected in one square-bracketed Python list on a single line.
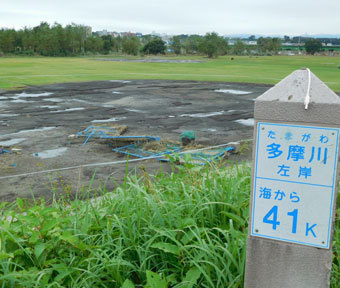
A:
[(183, 229)]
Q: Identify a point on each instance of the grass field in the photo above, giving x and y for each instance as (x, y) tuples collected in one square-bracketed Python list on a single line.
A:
[(20, 71)]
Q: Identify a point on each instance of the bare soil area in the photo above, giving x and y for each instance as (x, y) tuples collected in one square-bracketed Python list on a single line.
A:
[(38, 120)]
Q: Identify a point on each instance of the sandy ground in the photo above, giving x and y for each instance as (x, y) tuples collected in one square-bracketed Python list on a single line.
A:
[(39, 119)]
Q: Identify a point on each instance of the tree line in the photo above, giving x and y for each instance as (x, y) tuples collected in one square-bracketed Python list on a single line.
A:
[(73, 40)]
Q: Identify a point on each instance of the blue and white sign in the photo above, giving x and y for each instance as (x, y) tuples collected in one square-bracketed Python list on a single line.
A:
[(295, 182)]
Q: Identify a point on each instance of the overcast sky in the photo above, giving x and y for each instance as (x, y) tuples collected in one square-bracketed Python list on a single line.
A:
[(269, 17)]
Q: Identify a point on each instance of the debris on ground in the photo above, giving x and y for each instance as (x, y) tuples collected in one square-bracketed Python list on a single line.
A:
[(205, 156), (120, 141), (100, 131), (7, 160), (3, 151), (159, 146), (187, 137), (147, 149), (16, 150), (9, 149), (193, 146), (193, 153), (184, 151)]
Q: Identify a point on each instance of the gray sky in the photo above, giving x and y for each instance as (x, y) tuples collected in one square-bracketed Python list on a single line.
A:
[(288, 17)]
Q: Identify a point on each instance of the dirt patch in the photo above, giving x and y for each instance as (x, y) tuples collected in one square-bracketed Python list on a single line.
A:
[(30, 121)]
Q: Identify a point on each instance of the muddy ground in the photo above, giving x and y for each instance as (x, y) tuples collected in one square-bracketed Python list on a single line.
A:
[(39, 119)]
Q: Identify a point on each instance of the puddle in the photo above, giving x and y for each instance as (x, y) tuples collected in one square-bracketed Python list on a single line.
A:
[(208, 130), (31, 95), (116, 92), (68, 110), (108, 120), (130, 101), (57, 100), (232, 91), (20, 101), (135, 110), (49, 106), (12, 142), (9, 115), (79, 100), (30, 130), (50, 153), (203, 115), (233, 112), (246, 122), (36, 130), (120, 81), (108, 106)]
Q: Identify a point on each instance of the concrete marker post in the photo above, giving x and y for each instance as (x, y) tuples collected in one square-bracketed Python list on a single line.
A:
[(294, 185)]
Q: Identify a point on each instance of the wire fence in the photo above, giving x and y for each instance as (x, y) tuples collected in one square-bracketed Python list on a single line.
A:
[(111, 163)]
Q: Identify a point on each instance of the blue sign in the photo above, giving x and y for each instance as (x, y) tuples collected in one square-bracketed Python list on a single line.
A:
[(294, 183)]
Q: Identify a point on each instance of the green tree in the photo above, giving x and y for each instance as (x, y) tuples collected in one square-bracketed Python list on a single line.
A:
[(60, 34), (176, 44), (191, 44), (269, 45), (7, 40), (94, 44), (27, 41), (130, 45), (264, 45), (286, 38), (146, 39), (50, 40), (213, 45), (107, 43), (155, 46), (276, 45), (41, 37), (312, 46), (239, 48), (76, 38), (117, 44)]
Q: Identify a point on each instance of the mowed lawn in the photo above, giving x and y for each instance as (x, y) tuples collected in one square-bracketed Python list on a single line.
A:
[(20, 71)]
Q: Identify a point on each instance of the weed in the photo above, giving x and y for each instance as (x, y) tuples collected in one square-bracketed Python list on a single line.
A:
[(184, 229)]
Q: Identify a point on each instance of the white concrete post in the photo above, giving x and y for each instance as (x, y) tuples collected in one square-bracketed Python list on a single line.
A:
[(294, 185)]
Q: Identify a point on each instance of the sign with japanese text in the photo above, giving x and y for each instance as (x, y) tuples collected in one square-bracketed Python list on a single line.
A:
[(294, 184)]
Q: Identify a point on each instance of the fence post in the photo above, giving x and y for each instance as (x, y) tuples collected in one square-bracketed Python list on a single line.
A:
[(294, 184)]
